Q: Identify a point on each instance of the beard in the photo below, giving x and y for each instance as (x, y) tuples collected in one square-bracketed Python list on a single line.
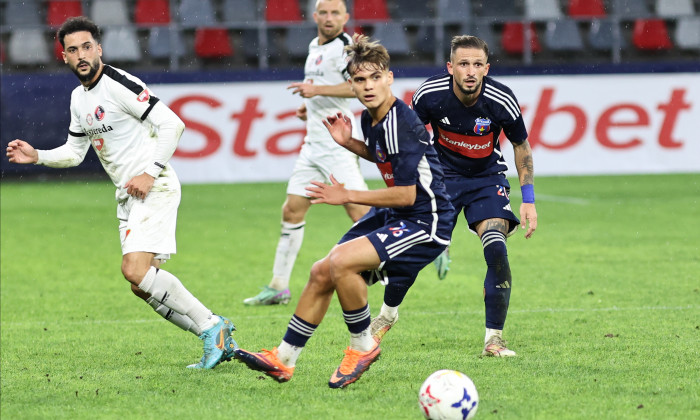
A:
[(475, 89), (94, 66)]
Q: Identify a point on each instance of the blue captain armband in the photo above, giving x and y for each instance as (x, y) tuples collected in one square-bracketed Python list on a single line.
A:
[(528, 192)]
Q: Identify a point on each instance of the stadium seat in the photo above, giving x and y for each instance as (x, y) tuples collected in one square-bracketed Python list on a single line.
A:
[(392, 36), (370, 10), (109, 12), (497, 8), (297, 40), (630, 9), (121, 45), (163, 41), (28, 46), (425, 40), (21, 13), (513, 38), (196, 13), (454, 11), (241, 11), (484, 30), (152, 12), (674, 8), (58, 50), (282, 11), (542, 9), (651, 35), (563, 35), (687, 34), (212, 43), (410, 10), (252, 44), (586, 8), (58, 11), (601, 35)]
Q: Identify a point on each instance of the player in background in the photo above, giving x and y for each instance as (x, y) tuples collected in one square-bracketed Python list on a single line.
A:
[(467, 111), (134, 135), (408, 226), (326, 92)]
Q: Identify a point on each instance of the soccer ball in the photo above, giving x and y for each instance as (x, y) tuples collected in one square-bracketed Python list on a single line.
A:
[(448, 394)]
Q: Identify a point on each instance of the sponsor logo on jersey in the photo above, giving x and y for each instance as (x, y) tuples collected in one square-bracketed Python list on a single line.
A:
[(144, 96), (470, 146), (387, 173), (99, 113), (88, 119), (502, 191), (399, 230), (445, 121), (98, 143), (99, 130), (482, 126)]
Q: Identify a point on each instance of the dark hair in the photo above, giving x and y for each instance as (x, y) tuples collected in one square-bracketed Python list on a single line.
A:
[(468, 41), (363, 52), (78, 24)]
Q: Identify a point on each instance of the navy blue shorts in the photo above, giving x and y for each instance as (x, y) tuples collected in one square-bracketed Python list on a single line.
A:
[(404, 246), (481, 202)]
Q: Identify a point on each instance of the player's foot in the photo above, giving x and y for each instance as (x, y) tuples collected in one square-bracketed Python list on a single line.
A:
[(269, 296), (354, 364), (230, 343), (215, 341), (380, 325), (442, 264), (267, 362), (496, 347)]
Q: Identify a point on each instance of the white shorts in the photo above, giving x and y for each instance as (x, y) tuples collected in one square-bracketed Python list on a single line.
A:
[(317, 161), (149, 225)]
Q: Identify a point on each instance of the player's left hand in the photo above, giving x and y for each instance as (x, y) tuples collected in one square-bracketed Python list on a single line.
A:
[(139, 186), (528, 218), (335, 193), (304, 89)]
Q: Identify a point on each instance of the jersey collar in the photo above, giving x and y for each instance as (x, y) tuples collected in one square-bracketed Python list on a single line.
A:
[(99, 77)]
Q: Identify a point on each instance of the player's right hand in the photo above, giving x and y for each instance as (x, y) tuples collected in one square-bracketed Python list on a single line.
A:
[(19, 151)]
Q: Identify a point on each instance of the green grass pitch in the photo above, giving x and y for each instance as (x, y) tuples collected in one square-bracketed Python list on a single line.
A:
[(604, 315)]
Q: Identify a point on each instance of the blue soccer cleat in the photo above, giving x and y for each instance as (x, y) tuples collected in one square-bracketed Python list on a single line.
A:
[(215, 340)]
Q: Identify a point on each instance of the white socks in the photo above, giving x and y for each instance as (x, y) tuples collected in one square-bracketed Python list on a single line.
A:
[(389, 312), (362, 341), (490, 333), (182, 321), (169, 291), (288, 247), (288, 354)]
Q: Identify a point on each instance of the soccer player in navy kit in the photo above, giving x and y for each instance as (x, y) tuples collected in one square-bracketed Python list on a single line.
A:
[(467, 111), (134, 135), (408, 226)]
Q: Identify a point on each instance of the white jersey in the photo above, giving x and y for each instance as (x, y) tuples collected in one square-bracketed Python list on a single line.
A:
[(127, 126), (326, 65)]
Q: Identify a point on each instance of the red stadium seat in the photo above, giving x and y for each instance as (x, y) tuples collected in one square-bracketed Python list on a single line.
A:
[(282, 11), (586, 8), (651, 35), (58, 11), (513, 39), (152, 12), (370, 10), (212, 43)]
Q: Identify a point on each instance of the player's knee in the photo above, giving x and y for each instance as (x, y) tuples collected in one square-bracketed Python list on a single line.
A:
[(320, 276), (133, 272)]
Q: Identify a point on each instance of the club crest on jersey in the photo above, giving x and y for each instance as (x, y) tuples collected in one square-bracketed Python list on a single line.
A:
[(99, 113), (381, 156), (88, 119), (98, 143), (482, 125), (319, 59), (143, 96), (399, 230)]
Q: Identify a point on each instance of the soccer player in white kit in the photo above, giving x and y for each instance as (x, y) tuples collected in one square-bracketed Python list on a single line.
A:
[(326, 91), (134, 135)]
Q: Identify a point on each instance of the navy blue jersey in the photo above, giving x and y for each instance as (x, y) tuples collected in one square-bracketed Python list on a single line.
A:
[(404, 154), (466, 138)]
